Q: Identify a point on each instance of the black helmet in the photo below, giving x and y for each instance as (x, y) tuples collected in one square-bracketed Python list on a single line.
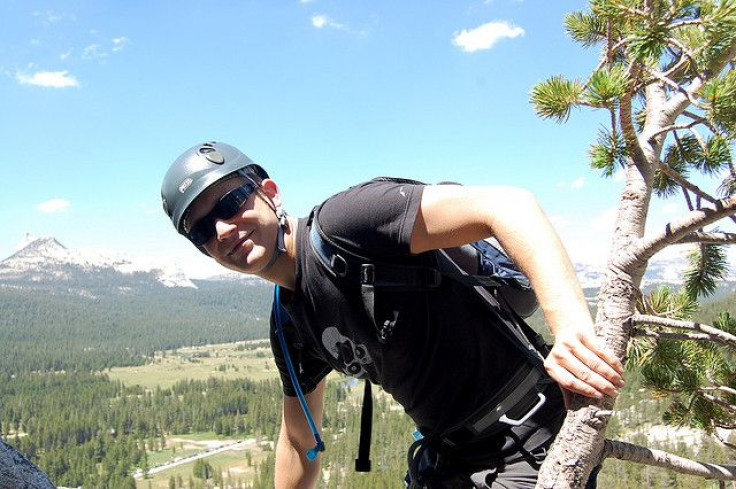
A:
[(196, 170)]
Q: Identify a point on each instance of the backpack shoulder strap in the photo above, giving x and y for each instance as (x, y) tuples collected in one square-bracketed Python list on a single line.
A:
[(510, 324), (370, 275)]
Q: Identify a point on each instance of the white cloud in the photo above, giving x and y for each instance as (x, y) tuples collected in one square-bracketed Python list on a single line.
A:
[(53, 206), (52, 79), (94, 51), (320, 21), (578, 183), (575, 184), (65, 55), (119, 43), (485, 36), (48, 16)]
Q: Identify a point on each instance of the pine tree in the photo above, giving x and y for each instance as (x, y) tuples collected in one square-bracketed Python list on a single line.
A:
[(666, 79)]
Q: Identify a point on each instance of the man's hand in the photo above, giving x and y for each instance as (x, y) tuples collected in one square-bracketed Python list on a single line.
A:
[(579, 364)]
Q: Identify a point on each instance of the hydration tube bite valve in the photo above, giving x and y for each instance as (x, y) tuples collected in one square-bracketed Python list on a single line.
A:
[(319, 444)]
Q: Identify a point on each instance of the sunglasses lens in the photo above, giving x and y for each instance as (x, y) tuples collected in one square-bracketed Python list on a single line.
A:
[(201, 232), (228, 205), (231, 202)]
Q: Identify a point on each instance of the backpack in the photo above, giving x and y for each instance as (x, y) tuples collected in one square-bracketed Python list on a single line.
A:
[(481, 266)]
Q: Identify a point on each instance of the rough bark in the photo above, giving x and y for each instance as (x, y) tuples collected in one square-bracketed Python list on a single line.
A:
[(659, 458), (579, 444), (16, 472)]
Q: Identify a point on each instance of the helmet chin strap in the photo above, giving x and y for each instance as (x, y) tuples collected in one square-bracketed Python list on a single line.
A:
[(280, 246)]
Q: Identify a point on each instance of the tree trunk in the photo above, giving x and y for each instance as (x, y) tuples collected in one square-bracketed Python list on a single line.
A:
[(579, 444), (16, 472)]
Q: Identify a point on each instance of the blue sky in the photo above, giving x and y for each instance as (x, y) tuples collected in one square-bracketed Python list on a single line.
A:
[(99, 97)]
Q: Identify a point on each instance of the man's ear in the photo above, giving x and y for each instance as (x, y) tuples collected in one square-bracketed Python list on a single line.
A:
[(271, 190)]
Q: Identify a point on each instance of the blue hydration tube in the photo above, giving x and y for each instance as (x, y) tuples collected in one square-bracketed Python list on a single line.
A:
[(320, 446)]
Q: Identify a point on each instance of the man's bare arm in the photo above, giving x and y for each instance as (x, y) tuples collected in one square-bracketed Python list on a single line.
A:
[(293, 470)]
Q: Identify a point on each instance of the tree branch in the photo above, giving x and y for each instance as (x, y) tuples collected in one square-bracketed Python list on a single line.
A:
[(686, 184), (683, 23), (631, 10), (664, 335), (697, 237), (644, 248), (677, 87), (627, 126), (685, 52), (722, 388), (679, 103), (675, 70), (717, 334), (725, 442), (720, 402), (606, 57), (658, 458), (675, 127)]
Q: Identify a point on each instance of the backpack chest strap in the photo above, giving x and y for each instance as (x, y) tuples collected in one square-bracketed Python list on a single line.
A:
[(364, 272)]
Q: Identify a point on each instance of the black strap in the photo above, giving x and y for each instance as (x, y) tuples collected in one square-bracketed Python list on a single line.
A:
[(501, 312), (364, 271), (363, 462)]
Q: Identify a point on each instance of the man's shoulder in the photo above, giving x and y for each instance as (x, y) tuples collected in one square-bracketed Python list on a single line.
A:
[(377, 184), (370, 191), (376, 214)]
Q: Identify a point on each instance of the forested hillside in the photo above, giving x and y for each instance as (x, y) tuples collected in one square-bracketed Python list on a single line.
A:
[(62, 330), (84, 430)]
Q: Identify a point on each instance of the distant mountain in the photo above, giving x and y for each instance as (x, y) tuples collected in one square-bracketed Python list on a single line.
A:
[(659, 272), (46, 264)]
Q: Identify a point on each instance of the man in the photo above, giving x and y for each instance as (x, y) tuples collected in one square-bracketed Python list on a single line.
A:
[(436, 351)]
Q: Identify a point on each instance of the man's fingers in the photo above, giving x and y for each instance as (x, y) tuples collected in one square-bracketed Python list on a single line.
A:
[(584, 370), (611, 360), (588, 351), (571, 383)]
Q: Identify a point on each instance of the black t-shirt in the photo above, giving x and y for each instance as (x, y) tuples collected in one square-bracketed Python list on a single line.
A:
[(444, 358)]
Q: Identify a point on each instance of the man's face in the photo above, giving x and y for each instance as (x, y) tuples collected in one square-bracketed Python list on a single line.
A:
[(245, 241)]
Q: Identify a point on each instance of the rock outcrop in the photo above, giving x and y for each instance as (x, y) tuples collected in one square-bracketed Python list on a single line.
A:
[(17, 472)]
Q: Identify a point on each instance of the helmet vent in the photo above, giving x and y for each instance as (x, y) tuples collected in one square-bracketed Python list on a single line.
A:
[(211, 154)]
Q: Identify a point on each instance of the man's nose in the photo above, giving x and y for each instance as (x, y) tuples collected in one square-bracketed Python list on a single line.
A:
[(224, 229)]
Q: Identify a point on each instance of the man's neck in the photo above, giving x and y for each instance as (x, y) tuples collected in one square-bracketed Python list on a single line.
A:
[(283, 271)]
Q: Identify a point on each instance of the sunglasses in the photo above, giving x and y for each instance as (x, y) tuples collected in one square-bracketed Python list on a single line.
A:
[(229, 204)]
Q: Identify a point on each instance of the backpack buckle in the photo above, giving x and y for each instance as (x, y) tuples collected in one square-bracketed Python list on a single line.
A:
[(434, 278), (339, 265), (367, 274)]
